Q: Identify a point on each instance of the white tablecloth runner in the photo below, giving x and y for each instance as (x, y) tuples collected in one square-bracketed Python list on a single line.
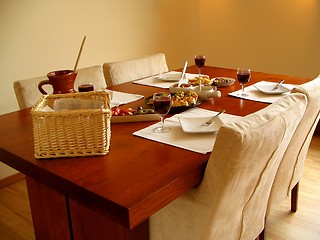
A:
[(196, 142), (154, 81)]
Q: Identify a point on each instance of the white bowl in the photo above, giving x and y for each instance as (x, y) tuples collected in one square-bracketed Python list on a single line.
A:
[(184, 87), (207, 92)]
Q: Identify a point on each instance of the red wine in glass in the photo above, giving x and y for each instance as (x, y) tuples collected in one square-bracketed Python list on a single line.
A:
[(243, 76), (85, 87), (162, 104), (199, 60)]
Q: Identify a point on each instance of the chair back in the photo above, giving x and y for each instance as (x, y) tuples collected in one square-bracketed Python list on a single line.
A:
[(291, 167), (243, 165), (27, 92), (133, 69)]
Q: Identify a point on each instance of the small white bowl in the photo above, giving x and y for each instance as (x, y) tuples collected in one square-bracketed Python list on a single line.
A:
[(207, 92), (184, 87)]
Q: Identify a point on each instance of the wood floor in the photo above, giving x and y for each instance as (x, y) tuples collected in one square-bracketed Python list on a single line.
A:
[(16, 221)]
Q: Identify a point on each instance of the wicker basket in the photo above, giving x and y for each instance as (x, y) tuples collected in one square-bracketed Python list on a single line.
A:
[(71, 133)]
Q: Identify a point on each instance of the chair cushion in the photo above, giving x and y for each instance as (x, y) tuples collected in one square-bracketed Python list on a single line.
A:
[(93, 74), (133, 69), (27, 92)]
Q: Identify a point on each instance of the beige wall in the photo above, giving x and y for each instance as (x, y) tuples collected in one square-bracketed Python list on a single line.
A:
[(271, 36), (38, 36)]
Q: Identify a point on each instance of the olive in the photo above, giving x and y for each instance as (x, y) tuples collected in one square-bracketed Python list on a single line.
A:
[(139, 112)]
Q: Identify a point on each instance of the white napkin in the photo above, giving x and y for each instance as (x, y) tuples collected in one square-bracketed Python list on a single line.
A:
[(120, 98), (75, 103), (154, 81), (254, 94), (196, 142)]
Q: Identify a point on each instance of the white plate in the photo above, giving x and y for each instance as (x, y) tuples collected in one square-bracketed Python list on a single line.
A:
[(170, 77), (266, 87), (195, 124), (227, 81)]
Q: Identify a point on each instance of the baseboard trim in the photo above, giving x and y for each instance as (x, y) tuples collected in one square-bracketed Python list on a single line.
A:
[(11, 179)]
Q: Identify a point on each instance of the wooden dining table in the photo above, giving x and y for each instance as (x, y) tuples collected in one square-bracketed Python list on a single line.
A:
[(112, 196)]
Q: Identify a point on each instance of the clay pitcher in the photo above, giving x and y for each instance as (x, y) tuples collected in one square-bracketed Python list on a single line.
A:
[(62, 81)]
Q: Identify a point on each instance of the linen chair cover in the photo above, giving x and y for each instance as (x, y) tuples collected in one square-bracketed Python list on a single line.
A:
[(231, 201), (291, 167), (133, 69), (27, 92)]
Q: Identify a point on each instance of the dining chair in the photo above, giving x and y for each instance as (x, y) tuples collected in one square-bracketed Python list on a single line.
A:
[(27, 92), (291, 167), (231, 201), (133, 69)]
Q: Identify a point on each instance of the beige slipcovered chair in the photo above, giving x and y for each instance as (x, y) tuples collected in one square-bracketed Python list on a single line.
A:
[(27, 92), (231, 201), (291, 167), (133, 69)]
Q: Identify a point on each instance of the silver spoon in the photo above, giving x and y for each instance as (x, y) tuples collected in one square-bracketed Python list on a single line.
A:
[(209, 122), (277, 86), (183, 73)]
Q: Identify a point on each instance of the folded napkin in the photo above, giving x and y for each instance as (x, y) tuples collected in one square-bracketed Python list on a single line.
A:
[(120, 98), (75, 104), (254, 94), (154, 81), (196, 142)]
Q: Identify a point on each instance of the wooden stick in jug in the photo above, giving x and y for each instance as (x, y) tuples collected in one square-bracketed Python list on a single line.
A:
[(76, 65)]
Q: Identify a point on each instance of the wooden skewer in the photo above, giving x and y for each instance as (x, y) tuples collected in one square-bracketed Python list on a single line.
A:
[(76, 65)]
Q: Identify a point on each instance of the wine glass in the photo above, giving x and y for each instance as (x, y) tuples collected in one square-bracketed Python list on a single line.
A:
[(199, 61), (85, 86), (243, 76), (162, 104)]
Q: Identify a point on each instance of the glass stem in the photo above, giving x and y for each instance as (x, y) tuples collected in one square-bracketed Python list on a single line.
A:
[(199, 70), (162, 121), (242, 91)]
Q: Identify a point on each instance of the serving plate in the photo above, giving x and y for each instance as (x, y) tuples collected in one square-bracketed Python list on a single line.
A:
[(195, 124), (148, 101), (223, 81), (170, 77), (268, 88)]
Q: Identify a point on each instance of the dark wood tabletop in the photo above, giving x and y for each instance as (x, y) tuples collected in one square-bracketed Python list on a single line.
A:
[(138, 176)]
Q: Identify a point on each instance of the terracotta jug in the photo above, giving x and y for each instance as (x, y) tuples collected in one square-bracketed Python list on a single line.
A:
[(62, 81)]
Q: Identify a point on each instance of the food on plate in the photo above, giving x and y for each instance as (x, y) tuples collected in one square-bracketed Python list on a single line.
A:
[(141, 111), (179, 99), (129, 111), (224, 81), (149, 101), (183, 85), (205, 80), (184, 99)]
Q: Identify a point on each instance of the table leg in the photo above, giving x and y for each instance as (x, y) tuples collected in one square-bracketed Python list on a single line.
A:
[(49, 212), (57, 217), (89, 224)]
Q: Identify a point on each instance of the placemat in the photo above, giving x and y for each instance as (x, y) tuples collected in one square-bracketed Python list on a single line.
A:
[(120, 98), (254, 94), (196, 142)]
